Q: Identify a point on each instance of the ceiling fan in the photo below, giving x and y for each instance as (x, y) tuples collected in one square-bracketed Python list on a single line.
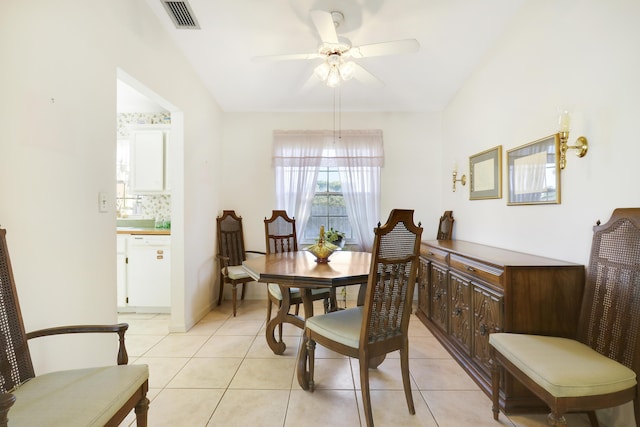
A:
[(337, 52)]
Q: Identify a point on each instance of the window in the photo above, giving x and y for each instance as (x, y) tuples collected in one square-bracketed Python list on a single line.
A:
[(328, 207), (127, 204), (321, 181)]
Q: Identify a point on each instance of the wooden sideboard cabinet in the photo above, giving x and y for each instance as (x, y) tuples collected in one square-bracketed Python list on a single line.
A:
[(467, 290)]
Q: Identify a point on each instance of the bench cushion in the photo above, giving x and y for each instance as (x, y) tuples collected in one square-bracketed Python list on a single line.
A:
[(564, 367), (80, 397)]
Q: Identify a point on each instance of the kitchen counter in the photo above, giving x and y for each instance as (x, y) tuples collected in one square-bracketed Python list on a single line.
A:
[(144, 230)]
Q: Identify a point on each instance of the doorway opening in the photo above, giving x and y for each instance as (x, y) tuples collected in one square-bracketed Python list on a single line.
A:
[(148, 178)]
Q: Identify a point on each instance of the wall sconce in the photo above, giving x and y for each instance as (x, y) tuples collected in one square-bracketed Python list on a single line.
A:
[(582, 145), (462, 180)]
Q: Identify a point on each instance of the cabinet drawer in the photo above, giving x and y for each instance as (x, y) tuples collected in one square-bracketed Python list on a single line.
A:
[(434, 254), (482, 271)]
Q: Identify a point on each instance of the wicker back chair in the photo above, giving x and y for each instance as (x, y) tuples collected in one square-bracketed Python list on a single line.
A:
[(280, 236), (231, 254), (599, 368), (100, 396), (379, 327)]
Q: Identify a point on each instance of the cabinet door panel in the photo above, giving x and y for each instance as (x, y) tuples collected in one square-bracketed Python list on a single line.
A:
[(423, 286), (487, 313), (460, 318), (147, 161), (438, 297)]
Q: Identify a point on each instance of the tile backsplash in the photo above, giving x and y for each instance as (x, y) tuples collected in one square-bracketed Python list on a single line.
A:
[(153, 206)]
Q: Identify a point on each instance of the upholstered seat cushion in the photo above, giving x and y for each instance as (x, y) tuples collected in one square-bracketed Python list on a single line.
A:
[(237, 272), (81, 397), (274, 290), (341, 326), (563, 367)]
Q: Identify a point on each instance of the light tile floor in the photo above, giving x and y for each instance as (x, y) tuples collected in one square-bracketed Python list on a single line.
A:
[(222, 373)]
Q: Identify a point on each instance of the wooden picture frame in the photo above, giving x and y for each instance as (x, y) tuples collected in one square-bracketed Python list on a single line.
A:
[(485, 174), (534, 172)]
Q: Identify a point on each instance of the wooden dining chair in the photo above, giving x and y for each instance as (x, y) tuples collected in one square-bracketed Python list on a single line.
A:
[(231, 254), (101, 396), (280, 236), (445, 227), (379, 327), (599, 368)]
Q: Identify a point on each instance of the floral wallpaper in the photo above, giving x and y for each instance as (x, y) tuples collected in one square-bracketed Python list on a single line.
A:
[(126, 120)]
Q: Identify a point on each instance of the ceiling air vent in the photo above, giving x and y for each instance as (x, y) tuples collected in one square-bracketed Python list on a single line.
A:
[(181, 14)]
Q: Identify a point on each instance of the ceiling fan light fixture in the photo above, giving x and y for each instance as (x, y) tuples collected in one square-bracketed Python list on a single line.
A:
[(333, 79), (322, 71), (347, 69)]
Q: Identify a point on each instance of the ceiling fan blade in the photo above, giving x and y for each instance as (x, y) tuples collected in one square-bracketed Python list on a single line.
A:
[(286, 57), (309, 84), (362, 75), (324, 24), (385, 48)]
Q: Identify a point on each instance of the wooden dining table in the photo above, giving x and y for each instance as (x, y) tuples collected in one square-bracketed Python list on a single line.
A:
[(299, 269)]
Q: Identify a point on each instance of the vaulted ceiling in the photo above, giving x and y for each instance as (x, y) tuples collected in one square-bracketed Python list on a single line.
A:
[(454, 36)]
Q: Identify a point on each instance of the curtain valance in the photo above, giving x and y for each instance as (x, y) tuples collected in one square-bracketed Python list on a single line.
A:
[(305, 148)]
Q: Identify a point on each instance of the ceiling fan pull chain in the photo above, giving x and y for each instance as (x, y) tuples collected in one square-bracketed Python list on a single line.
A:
[(339, 114), (334, 115)]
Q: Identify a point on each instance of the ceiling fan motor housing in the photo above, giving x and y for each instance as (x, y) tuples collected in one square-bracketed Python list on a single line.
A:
[(337, 17)]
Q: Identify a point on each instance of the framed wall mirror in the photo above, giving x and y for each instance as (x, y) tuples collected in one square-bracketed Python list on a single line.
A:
[(534, 172)]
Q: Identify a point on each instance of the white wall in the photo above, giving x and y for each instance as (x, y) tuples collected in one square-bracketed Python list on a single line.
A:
[(411, 177), (58, 126), (581, 53)]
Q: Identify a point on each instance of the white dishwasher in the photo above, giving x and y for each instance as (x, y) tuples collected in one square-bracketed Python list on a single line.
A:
[(149, 272)]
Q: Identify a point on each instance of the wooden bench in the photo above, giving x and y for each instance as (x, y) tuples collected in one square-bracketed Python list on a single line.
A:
[(597, 369)]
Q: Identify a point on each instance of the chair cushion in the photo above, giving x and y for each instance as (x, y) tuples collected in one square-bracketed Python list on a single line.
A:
[(274, 290), (341, 326), (81, 397), (562, 366), (236, 272)]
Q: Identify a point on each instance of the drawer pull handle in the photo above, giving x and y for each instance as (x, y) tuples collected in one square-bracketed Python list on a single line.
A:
[(457, 311), (431, 254), (484, 330), (469, 268)]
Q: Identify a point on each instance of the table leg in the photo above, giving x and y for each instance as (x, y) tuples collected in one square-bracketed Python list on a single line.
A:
[(361, 294), (301, 364), (307, 303), (282, 316)]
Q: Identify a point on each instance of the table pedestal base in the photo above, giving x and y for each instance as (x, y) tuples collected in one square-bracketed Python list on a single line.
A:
[(283, 316)]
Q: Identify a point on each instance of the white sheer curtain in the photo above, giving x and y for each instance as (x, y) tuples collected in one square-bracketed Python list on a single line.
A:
[(297, 155), (358, 155)]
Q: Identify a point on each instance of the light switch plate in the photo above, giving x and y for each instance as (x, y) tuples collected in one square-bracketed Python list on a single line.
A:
[(102, 202)]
